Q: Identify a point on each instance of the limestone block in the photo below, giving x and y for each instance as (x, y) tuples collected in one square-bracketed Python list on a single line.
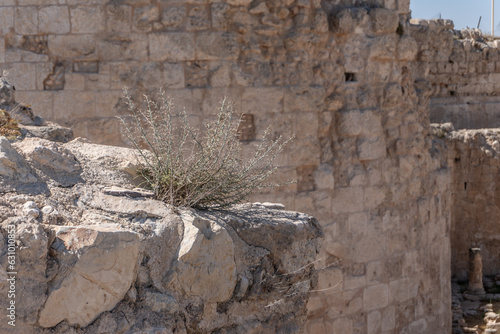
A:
[(399, 290), (119, 17), (375, 297), (86, 20), (371, 149), (347, 200), (82, 105), (260, 100), (7, 19), (205, 265), (354, 54), (71, 46), (53, 20), (175, 46), (73, 81), (239, 2), (23, 74), (404, 7), (407, 48), (41, 101), (26, 20), (323, 177), (389, 318), (384, 47), (320, 21), (198, 18), (173, 75), (315, 326), (418, 327), (220, 74), (373, 322), (346, 20), (391, 4), (343, 325), (221, 15), (173, 16), (368, 248), (121, 46), (392, 95), (374, 197), (383, 20), (350, 123), (144, 17), (304, 99), (217, 45), (96, 268)]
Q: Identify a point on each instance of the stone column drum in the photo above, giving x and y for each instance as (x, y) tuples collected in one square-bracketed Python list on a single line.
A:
[(475, 272)]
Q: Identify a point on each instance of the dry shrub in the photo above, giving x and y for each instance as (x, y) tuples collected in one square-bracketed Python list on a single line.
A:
[(8, 126), (192, 168)]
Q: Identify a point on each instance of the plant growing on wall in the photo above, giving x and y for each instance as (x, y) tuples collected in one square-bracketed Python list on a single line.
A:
[(200, 168)]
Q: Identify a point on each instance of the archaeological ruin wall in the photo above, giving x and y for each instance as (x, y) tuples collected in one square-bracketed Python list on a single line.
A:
[(463, 68), (475, 159), (339, 75)]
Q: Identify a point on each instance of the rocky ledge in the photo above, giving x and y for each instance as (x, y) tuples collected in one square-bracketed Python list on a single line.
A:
[(82, 250)]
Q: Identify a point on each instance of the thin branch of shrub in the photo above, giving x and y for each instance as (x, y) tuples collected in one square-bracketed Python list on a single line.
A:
[(201, 169)]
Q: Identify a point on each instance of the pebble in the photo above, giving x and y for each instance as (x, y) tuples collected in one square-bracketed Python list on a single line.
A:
[(47, 209), (31, 210)]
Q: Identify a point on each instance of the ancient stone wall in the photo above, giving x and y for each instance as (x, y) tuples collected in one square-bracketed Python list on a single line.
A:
[(338, 75), (463, 73), (463, 69), (474, 159)]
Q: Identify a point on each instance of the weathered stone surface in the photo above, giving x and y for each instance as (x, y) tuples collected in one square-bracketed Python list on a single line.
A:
[(180, 46), (215, 45), (94, 255), (81, 17), (7, 95), (384, 20), (377, 182), (55, 161), (54, 19), (103, 262), (30, 253), (206, 253), (276, 237), (14, 169), (51, 131)]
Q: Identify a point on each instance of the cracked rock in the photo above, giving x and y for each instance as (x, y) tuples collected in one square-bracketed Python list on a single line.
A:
[(96, 269)]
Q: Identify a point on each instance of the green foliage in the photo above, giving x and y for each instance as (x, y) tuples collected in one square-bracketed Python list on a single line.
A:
[(200, 168)]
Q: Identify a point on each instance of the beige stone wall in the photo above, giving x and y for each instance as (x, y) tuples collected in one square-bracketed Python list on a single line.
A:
[(475, 159), (462, 75), (340, 77), (464, 72)]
